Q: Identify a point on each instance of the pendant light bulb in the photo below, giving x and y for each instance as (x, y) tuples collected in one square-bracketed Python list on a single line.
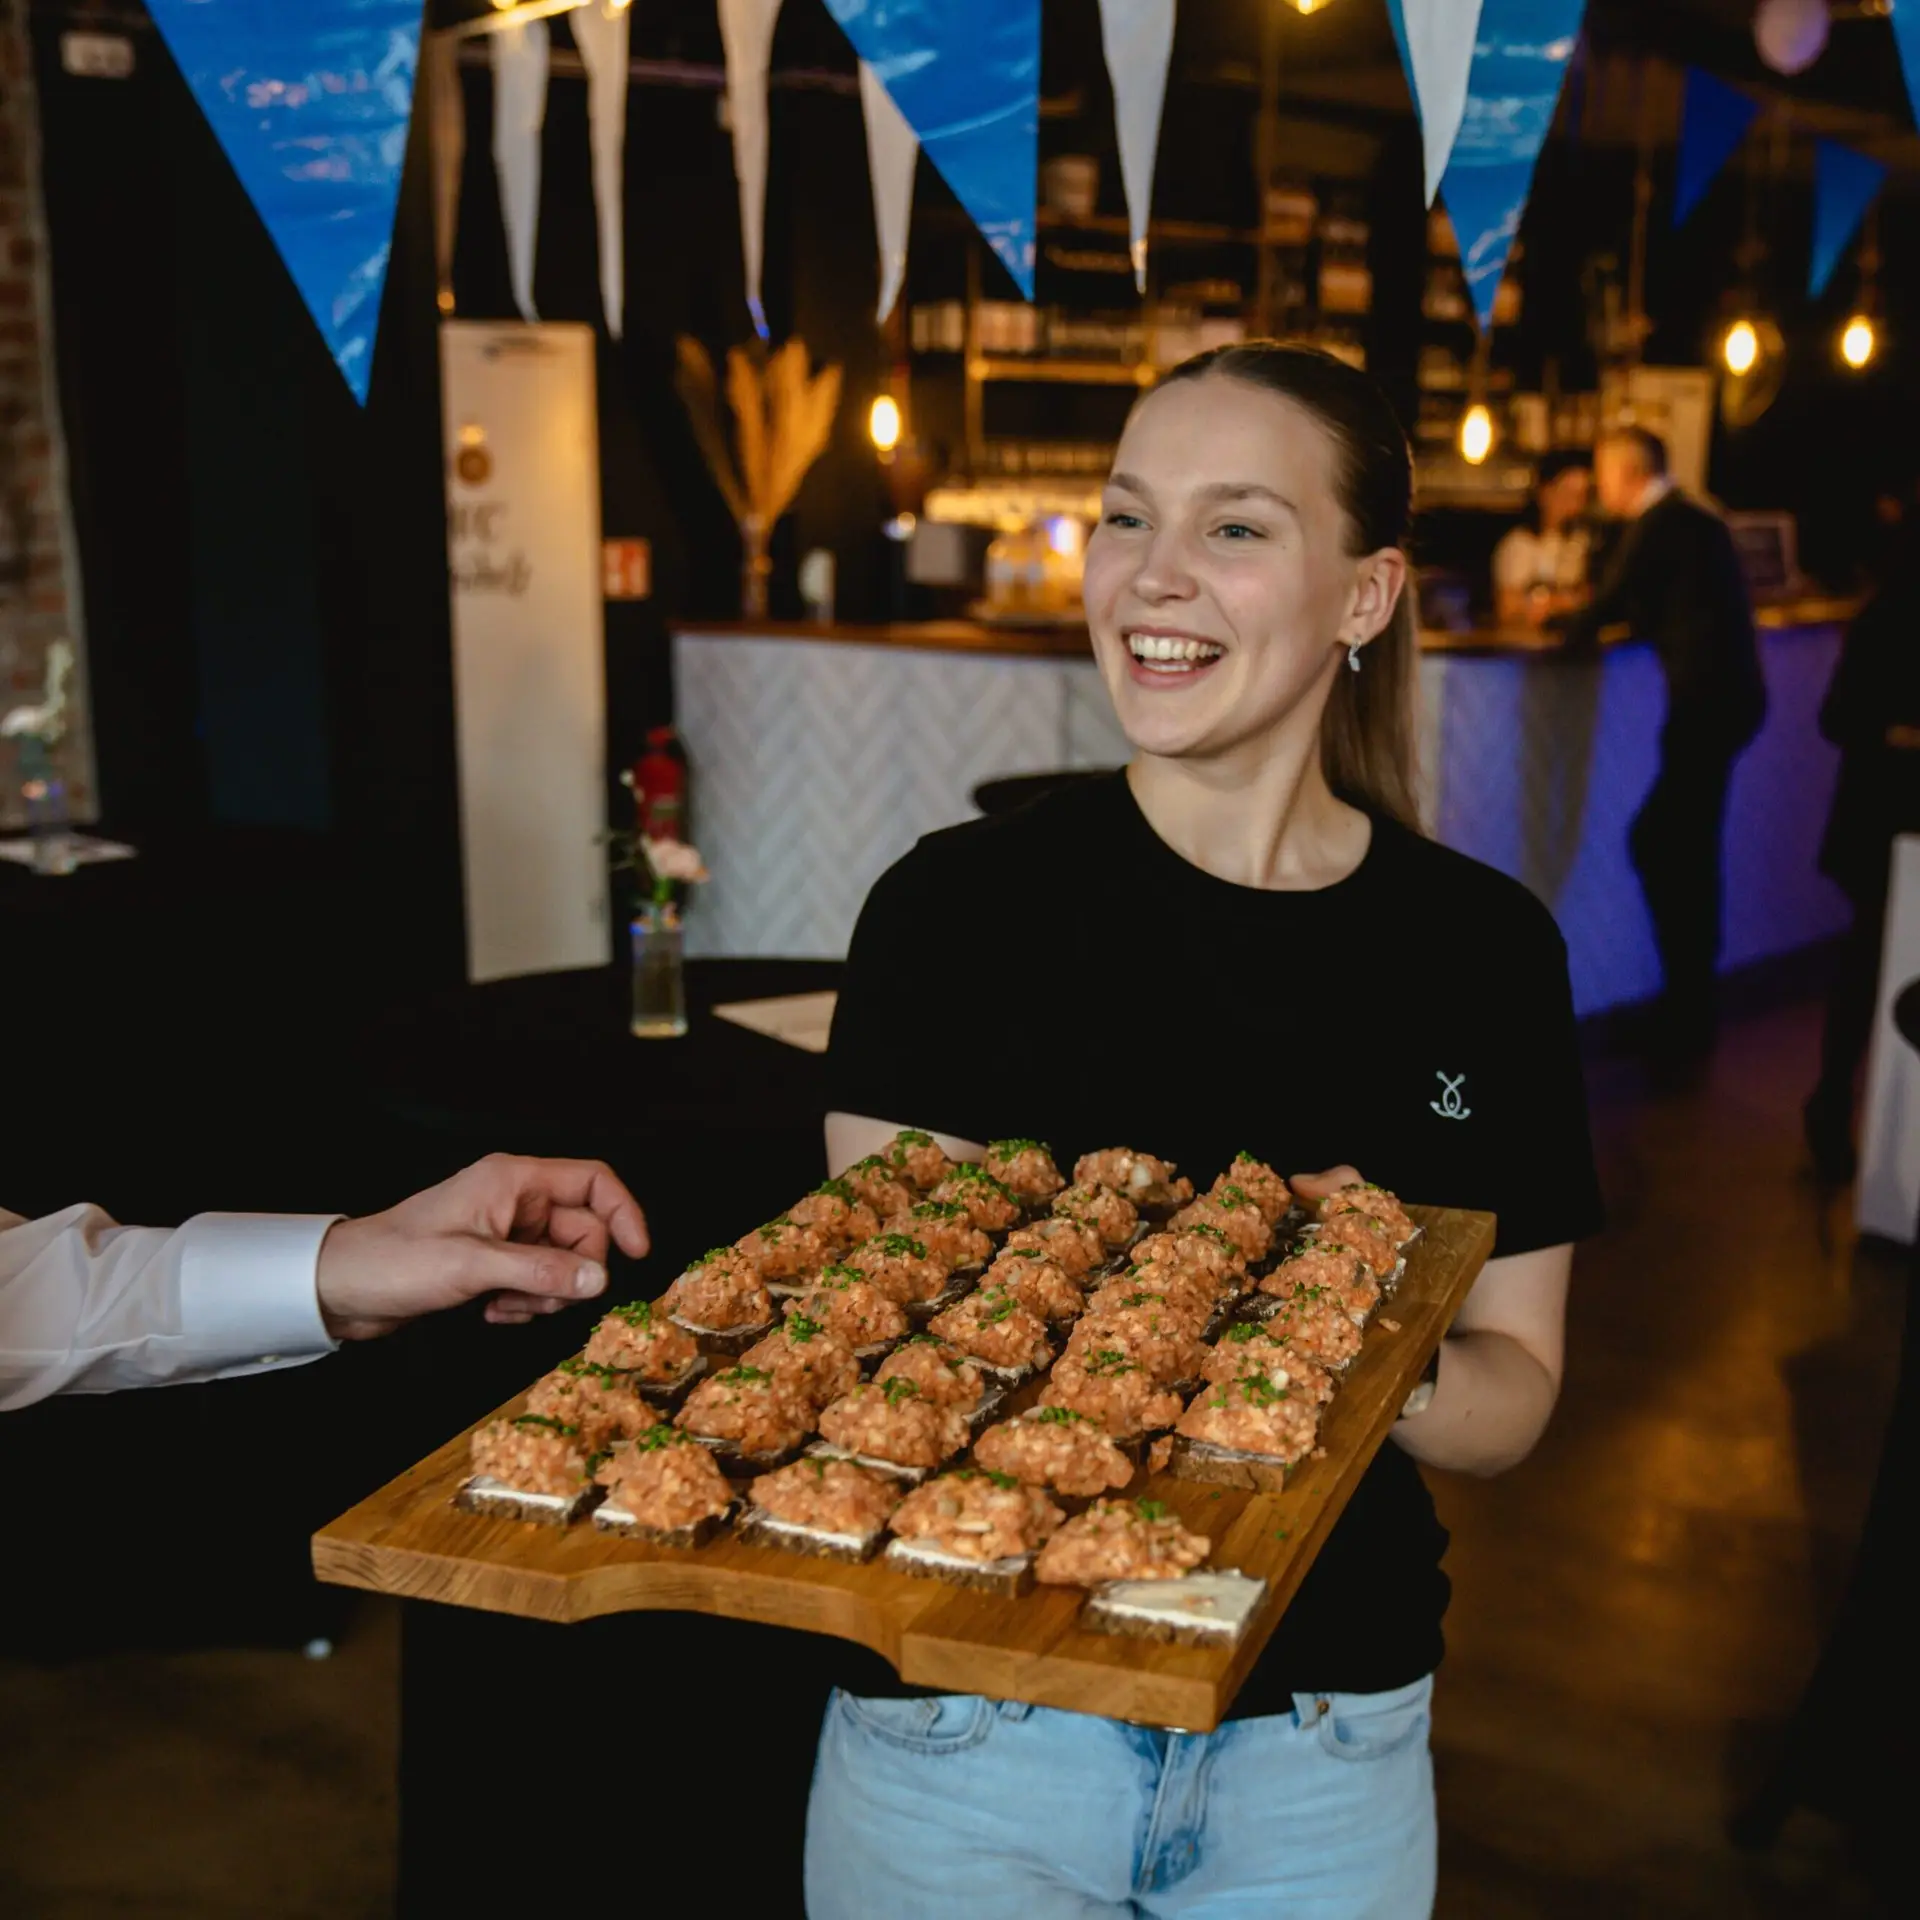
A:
[(883, 423), (1476, 434), (1741, 347), (1858, 342)]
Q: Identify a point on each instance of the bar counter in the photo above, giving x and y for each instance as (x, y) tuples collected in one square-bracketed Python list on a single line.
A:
[(822, 753)]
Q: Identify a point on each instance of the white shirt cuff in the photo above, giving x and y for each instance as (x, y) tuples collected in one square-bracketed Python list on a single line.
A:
[(249, 1291)]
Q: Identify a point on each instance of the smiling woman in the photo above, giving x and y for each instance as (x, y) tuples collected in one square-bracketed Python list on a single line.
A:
[(1249, 541), (1261, 861)]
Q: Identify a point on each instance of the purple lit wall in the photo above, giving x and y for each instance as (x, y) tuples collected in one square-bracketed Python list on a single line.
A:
[(1542, 764)]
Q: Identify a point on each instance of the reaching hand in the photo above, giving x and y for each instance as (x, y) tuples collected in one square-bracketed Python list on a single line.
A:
[(533, 1233), (1316, 1186)]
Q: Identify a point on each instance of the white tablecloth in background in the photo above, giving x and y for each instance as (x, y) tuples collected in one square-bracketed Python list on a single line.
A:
[(1887, 1200)]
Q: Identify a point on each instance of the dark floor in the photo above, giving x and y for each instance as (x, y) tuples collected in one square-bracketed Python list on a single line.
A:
[(1636, 1609)]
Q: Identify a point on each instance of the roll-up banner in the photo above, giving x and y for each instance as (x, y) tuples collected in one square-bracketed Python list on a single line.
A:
[(529, 652)]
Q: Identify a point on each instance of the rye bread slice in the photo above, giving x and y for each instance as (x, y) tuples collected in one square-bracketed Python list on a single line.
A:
[(495, 1500)]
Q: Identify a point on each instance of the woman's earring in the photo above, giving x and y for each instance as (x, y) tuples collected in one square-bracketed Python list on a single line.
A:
[(1353, 655)]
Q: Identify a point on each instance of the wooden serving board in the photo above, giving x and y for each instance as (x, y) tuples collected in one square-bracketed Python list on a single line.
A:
[(409, 1539)]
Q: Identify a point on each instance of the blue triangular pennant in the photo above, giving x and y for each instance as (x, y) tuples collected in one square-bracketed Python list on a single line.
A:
[(1713, 122), (1844, 184), (1519, 60), (967, 80), (1906, 37), (310, 101)]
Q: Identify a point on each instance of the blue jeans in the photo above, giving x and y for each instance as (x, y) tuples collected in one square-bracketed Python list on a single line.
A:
[(943, 1808)]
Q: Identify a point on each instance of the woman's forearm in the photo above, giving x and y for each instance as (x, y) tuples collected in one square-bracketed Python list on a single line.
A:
[(1491, 1402)]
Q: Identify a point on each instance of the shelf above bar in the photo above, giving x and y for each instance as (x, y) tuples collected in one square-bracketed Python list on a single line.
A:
[(1090, 373)]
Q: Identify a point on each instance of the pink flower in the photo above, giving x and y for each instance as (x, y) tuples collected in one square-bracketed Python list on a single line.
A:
[(674, 860)]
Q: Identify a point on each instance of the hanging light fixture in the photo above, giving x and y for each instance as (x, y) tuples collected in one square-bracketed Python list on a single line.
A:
[(883, 424), (1858, 342), (1749, 345), (1476, 434), (1860, 338), (1740, 346), (1791, 34)]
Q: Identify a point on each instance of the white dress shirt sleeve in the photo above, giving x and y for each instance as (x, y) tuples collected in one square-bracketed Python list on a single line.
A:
[(89, 1306)]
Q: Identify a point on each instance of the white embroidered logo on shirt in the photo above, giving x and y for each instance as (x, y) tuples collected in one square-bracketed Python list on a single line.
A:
[(1450, 1106)]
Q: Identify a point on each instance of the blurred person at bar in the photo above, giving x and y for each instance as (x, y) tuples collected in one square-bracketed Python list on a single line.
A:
[(1872, 714), (1675, 581), (1540, 567)]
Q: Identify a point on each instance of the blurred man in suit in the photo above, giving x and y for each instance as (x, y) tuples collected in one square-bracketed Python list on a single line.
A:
[(1675, 581)]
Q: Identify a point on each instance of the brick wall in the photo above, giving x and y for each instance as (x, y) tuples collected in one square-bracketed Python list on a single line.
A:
[(39, 574)]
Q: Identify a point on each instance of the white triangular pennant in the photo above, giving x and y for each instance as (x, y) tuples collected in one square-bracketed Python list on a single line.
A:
[(1440, 40), (746, 28), (601, 37), (893, 148), (520, 55), (1138, 35)]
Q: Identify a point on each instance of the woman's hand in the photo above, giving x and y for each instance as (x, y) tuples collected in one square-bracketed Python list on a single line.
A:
[(1316, 1186), (1499, 1365), (1499, 1368)]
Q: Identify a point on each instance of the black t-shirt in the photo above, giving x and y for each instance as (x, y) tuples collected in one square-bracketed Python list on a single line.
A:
[(1060, 972)]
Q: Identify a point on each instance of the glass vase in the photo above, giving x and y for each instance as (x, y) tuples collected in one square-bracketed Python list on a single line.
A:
[(756, 567), (48, 825), (659, 973)]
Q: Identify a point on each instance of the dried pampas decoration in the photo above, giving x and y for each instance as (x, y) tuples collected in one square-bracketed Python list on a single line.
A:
[(782, 417)]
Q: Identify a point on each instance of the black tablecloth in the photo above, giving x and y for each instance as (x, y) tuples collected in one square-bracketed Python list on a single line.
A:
[(550, 1056), (192, 1030)]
